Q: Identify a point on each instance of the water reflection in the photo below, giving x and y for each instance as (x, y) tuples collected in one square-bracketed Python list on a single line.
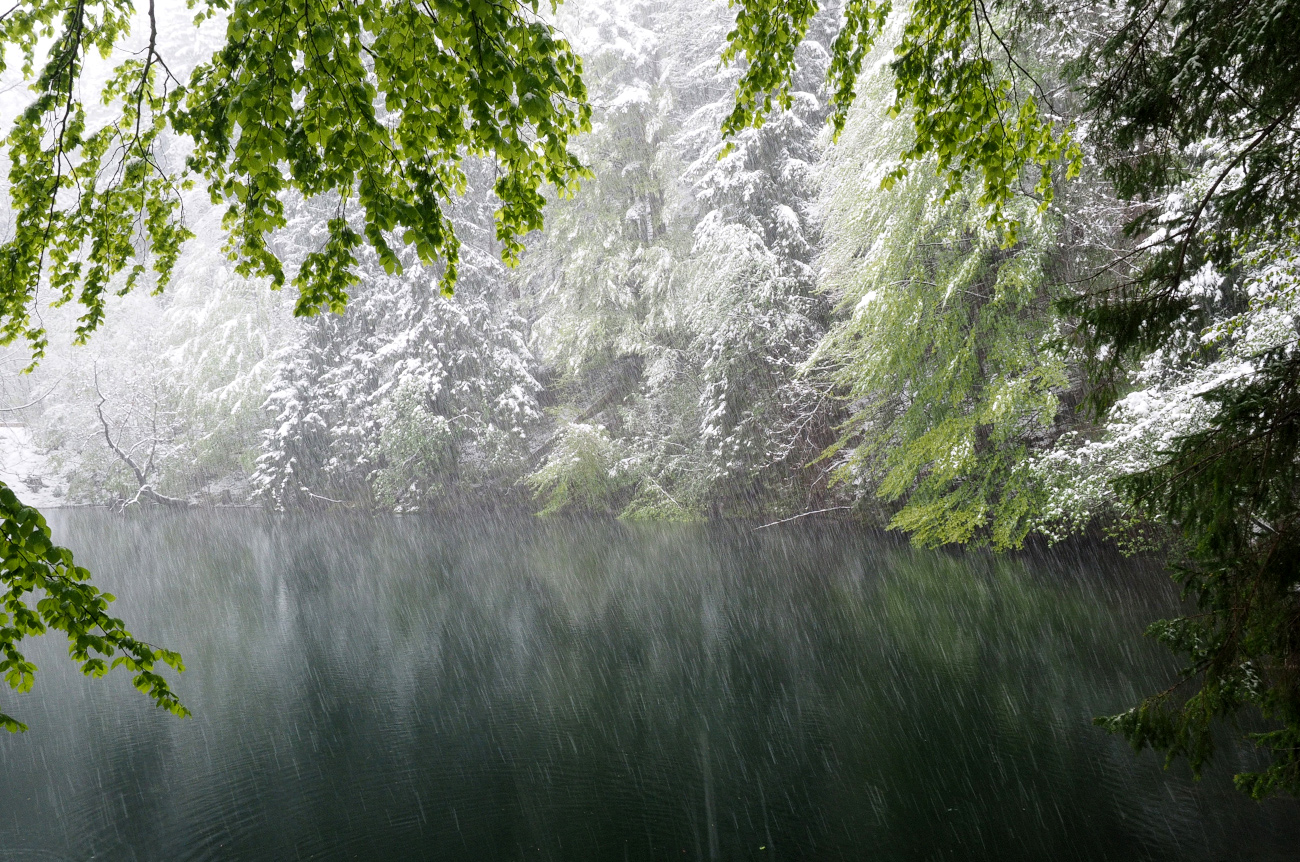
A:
[(412, 690)]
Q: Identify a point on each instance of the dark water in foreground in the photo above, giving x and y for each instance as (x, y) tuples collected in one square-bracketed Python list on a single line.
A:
[(479, 691)]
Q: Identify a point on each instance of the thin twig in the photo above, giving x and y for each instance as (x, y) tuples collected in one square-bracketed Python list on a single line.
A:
[(34, 401)]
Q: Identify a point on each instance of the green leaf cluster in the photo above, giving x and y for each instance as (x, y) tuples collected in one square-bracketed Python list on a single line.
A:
[(970, 119), (32, 565), (378, 102), (88, 202)]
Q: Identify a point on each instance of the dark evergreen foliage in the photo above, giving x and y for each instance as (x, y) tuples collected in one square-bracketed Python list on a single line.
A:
[(1232, 490), (1199, 101)]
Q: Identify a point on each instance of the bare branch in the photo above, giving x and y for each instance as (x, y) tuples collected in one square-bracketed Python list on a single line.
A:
[(804, 515), (140, 476)]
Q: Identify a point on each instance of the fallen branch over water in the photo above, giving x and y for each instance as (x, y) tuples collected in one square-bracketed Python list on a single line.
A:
[(804, 515)]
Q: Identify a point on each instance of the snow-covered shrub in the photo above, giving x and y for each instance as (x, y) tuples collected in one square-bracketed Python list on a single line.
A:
[(582, 473)]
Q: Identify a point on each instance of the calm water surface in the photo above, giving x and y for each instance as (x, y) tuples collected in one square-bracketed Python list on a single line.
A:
[(408, 689)]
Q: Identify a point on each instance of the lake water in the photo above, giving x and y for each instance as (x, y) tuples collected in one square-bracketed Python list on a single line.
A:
[(409, 689)]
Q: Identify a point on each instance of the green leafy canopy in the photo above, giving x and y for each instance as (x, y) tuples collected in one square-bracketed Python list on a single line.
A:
[(373, 102)]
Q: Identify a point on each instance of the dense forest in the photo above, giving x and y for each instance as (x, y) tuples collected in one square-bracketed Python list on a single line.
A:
[(755, 333), (989, 276)]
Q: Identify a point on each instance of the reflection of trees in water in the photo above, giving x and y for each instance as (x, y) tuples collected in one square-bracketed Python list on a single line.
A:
[(967, 728), (605, 691)]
